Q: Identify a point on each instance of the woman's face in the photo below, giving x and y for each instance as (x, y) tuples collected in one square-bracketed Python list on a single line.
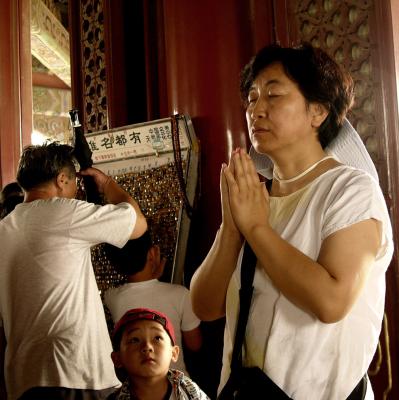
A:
[(278, 117)]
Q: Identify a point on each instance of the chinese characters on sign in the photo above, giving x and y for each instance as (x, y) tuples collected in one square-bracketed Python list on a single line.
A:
[(137, 141), (136, 148), (139, 164)]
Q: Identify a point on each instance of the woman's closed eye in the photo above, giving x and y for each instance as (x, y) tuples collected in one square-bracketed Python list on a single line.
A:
[(272, 94)]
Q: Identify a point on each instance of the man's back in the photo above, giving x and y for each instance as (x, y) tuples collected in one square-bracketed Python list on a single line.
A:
[(49, 301), (171, 299)]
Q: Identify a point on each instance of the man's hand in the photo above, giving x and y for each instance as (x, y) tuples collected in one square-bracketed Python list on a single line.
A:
[(100, 179)]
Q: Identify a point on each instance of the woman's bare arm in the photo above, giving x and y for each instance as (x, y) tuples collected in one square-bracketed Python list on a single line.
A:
[(210, 282), (329, 286)]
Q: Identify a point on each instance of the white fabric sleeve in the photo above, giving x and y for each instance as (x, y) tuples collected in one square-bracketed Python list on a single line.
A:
[(358, 199), (102, 224), (189, 320)]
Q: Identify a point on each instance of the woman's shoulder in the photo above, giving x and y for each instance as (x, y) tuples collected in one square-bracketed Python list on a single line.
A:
[(346, 187), (348, 170), (343, 176)]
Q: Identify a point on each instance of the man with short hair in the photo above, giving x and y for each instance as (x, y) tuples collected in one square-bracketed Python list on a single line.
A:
[(51, 314)]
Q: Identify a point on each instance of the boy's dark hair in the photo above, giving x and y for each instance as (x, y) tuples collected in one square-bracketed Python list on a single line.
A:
[(132, 257), (319, 78), (9, 190), (42, 163), (9, 204), (10, 196)]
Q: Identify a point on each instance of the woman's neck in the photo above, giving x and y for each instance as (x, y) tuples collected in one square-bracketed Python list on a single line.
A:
[(302, 174), (293, 183)]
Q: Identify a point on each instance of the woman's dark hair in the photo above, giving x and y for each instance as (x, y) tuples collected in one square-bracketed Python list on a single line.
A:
[(42, 163), (132, 257), (319, 78)]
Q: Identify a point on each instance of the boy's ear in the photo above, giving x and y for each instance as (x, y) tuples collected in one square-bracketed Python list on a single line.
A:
[(116, 359), (175, 353)]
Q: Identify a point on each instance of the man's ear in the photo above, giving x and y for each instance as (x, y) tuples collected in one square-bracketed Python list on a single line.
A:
[(116, 358), (60, 180), (175, 353), (319, 114)]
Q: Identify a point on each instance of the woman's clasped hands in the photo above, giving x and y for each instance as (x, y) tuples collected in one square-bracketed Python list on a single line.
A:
[(245, 200)]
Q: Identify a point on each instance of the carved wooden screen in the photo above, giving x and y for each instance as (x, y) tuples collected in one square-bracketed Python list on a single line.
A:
[(342, 28)]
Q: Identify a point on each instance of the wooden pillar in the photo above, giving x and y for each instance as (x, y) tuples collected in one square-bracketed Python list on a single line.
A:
[(206, 45), (15, 85)]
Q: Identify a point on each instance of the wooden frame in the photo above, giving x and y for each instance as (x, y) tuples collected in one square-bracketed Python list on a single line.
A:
[(15, 85)]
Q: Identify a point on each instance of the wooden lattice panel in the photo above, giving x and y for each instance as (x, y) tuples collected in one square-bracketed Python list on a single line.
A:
[(342, 29), (94, 72)]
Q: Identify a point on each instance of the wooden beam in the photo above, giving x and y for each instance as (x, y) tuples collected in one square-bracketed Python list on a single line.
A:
[(49, 81)]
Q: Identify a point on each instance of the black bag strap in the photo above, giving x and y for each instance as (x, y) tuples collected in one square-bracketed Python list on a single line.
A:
[(248, 265)]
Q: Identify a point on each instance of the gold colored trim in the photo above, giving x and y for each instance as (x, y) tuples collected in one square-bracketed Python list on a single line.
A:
[(378, 363), (50, 41), (388, 356)]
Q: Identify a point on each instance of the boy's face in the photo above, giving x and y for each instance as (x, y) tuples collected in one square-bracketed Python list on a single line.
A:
[(146, 350)]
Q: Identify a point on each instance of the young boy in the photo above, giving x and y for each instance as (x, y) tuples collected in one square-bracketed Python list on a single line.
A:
[(144, 346), (140, 260)]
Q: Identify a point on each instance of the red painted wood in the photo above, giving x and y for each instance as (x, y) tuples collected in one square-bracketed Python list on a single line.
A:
[(15, 85), (50, 81), (25, 72), (114, 56), (206, 45), (9, 124), (262, 15)]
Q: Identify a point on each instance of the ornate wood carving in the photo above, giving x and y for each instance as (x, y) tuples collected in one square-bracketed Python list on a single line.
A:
[(342, 29), (50, 114), (50, 41), (94, 83)]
